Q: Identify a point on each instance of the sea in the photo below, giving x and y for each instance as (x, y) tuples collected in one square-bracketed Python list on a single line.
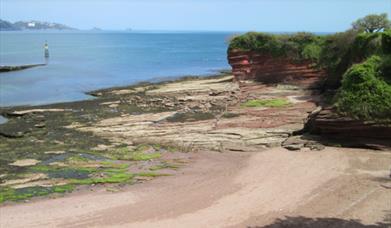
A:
[(84, 61)]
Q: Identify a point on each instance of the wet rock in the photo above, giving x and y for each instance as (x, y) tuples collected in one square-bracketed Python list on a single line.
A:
[(40, 125), (24, 112), (15, 129), (293, 147), (28, 178), (55, 152), (17, 134), (315, 146), (25, 162), (294, 143)]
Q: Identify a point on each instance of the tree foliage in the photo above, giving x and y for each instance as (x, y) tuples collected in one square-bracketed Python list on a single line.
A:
[(372, 23)]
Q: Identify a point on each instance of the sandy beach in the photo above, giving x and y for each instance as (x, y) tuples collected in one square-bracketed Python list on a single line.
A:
[(332, 188)]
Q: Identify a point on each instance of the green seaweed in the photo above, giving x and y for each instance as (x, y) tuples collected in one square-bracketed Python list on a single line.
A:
[(111, 176), (271, 103), (138, 154), (151, 174), (10, 194)]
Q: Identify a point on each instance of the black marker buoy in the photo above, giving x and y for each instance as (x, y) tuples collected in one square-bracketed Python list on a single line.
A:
[(46, 47)]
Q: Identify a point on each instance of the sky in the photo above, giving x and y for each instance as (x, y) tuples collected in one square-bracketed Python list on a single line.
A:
[(197, 15)]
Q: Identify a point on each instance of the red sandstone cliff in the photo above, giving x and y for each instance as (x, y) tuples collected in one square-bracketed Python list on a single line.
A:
[(327, 122), (269, 69)]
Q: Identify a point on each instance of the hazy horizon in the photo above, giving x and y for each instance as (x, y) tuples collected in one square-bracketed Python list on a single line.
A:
[(200, 15)]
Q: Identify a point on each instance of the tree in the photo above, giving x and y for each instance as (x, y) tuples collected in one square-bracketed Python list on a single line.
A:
[(372, 23)]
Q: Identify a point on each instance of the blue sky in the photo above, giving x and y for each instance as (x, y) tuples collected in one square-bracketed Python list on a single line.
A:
[(205, 15)]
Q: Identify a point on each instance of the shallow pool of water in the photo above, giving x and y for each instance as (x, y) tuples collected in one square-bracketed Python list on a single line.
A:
[(3, 120)]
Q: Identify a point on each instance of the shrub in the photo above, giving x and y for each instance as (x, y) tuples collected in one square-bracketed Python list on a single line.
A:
[(336, 52), (365, 45), (364, 94), (386, 42), (312, 52), (291, 46), (385, 68)]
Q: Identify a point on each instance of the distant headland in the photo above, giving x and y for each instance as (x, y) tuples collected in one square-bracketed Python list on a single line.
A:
[(32, 25)]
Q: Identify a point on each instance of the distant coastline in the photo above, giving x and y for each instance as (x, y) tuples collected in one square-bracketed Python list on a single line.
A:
[(32, 25)]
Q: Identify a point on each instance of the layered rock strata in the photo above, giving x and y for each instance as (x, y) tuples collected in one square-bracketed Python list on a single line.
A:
[(269, 69)]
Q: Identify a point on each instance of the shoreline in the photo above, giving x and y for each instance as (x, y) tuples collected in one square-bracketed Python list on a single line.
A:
[(187, 114), (131, 145), (6, 69), (152, 81)]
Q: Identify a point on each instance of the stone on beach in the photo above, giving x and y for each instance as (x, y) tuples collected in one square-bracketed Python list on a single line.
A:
[(25, 162)]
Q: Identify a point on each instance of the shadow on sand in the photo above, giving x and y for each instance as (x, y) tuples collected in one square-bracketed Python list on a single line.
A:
[(303, 222)]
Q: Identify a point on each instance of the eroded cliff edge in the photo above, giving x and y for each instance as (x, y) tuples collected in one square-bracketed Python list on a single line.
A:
[(325, 120)]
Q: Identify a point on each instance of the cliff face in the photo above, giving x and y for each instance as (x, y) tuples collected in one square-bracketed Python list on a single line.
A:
[(269, 69), (355, 132), (327, 122)]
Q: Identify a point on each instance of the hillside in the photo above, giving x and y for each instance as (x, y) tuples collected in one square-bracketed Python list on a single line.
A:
[(32, 25)]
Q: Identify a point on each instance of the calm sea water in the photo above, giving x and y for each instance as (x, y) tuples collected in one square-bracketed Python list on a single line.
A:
[(81, 62)]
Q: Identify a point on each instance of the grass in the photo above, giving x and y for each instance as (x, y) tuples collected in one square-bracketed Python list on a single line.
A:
[(271, 103)]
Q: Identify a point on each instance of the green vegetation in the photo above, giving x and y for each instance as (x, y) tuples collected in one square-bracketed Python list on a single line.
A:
[(151, 174), (140, 153), (357, 61), (298, 46), (272, 103), (364, 93), (386, 42), (372, 23), (10, 194), (63, 172)]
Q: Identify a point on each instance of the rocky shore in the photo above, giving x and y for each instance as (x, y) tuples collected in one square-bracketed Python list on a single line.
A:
[(218, 141), (136, 133), (130, 134), (4, 69)]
